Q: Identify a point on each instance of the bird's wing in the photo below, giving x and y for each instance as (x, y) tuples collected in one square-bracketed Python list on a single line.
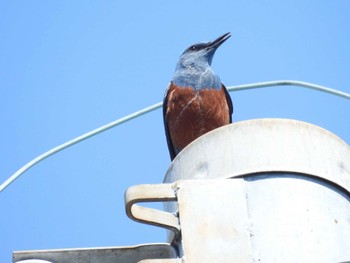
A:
[(229, 101), (167, 134)]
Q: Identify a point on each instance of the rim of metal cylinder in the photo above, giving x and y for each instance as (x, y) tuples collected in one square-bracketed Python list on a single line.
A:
[(286, 174), (260, 146)]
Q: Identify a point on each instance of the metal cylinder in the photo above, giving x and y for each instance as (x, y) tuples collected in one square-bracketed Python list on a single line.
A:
[(294, 196)]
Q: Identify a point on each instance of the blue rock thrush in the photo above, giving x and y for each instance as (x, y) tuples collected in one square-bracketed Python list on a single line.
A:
[(196, 101)]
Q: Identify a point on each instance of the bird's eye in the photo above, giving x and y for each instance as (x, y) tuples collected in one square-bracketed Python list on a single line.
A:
[(193, 48)]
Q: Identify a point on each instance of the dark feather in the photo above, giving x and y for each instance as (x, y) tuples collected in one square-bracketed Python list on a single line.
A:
[(167, 134)]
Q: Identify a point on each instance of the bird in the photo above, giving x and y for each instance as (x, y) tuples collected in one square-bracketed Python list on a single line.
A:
[(195, 101)]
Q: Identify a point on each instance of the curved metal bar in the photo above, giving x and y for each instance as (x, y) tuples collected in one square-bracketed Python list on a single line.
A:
[(152, 193)]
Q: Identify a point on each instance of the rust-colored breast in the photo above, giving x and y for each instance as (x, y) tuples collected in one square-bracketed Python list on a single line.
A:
[(191, 113)]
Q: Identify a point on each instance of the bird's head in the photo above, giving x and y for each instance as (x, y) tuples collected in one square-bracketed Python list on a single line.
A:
[(200, 55)]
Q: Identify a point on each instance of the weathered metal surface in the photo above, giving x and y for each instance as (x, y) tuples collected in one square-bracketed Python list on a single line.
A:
[(297, 218), (99, 255), (265, 218), (214, 222)]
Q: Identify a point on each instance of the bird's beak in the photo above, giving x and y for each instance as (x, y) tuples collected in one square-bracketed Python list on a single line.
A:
[(217, 42)]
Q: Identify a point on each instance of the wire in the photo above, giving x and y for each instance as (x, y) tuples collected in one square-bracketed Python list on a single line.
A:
[(287, 83), (77, 140), (153, 107)]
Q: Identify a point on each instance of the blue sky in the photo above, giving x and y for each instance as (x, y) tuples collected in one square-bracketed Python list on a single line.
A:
[(68, 67)]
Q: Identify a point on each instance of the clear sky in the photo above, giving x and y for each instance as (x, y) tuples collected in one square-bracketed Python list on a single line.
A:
[(67, 67)]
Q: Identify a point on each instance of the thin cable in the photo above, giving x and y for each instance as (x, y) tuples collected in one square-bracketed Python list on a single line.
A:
[(288, 83), (153, 107), (77, 140)]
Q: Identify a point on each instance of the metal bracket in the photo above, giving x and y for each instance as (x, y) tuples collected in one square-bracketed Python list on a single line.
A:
[(152, 193), (127, 254)]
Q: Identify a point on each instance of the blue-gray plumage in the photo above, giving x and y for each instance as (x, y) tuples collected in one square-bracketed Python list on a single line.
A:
[(196, 101)]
